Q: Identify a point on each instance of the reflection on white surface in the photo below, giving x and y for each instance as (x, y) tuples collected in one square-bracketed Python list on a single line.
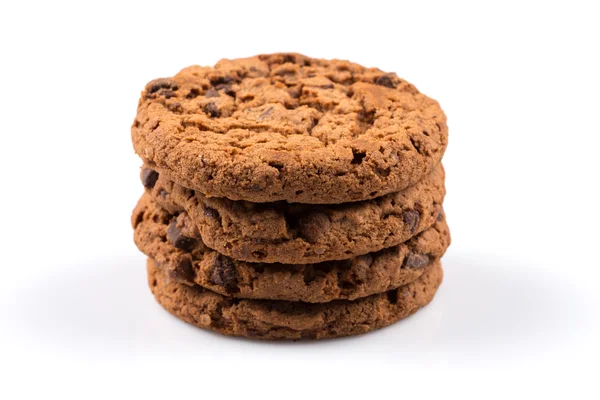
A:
[(486, 308)]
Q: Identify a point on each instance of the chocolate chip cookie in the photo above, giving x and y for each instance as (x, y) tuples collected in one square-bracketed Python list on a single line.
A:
[(269, 319), (174, 243), (288, 127), (301, 233)]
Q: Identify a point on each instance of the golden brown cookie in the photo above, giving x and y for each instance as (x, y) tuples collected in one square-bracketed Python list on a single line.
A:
[(302, 233), (270, 319), (174, 243), (288, 127)]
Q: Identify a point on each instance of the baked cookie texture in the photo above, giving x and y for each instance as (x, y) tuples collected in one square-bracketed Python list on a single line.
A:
[(270, 319), (288, 197), (302, 233), (289, 127), (173, 242)]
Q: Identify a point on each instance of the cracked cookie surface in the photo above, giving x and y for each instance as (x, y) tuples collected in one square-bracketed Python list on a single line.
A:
[(288, 127), (293, 233), (172, 241), (271, 319)]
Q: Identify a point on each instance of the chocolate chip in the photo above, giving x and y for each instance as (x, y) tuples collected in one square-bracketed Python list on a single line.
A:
[(411, 219), (175, 107), (155, 88), (212, 109), (440, 216), (149, 178), (221, 80), (227, 89), (385, 80), (312, 226), (184, 270), (289, 58), (223, 273), (367, 117), (414, 260), (168, 93), (211, 212), (211, 93), (159, 84), (158, 87), (193, 94), (179, 240)]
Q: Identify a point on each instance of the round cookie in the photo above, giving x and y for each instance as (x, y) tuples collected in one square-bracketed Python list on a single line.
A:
[(302, 233), (288, 127), (173, 242), (268, 319)]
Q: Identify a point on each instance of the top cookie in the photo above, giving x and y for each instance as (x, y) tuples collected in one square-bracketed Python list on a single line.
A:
[(288, 127)]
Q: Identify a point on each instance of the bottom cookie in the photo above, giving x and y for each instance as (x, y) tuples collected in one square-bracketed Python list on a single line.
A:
[(273, 319)]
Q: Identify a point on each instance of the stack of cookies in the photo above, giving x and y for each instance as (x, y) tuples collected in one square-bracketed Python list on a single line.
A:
[(288, 197)]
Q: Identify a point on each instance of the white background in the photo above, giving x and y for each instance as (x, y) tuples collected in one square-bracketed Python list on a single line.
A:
[(517, 314)]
